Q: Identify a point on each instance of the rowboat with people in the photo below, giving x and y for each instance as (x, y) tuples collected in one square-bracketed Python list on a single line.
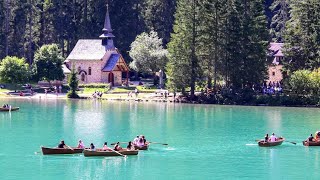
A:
[(144, 147), (264, 143), (311, 143), (9, 108), (100, 152), (55, 150)]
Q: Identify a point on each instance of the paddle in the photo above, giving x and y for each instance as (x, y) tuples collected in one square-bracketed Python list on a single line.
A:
[(118, 153), (120, 143), (165, 144), (69, 147), (292, 142)]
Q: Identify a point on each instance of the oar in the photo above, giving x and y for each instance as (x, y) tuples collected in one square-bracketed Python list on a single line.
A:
[(165, 144), (119, 142), (118, 153), (69, 147), (292, 142)]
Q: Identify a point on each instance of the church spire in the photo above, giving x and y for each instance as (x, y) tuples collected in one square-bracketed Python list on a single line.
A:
[(107, 36)]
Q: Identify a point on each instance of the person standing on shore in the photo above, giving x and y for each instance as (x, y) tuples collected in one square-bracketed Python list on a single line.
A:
[(136, 92)]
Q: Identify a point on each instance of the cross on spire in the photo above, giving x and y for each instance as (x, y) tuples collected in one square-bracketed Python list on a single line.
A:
[(107, 31)]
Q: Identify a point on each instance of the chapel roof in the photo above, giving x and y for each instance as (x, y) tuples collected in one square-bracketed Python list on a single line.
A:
[(87, 49), (111, 63), (276, 49)]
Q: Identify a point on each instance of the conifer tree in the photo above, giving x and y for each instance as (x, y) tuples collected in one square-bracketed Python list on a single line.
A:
[(303, 36), (183, 67), (280, 10)]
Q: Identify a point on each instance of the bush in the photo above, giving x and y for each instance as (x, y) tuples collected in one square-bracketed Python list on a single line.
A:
[(72, 95), (95, 85)]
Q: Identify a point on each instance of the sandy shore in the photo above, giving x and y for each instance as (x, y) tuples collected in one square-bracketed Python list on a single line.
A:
[(142, 97)]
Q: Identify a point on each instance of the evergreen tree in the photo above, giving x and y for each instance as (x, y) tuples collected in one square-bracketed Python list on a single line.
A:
[(183, 67), (303, 36), (73, 84), (158, 15), (247, 42), (2, 29), (280, 10)]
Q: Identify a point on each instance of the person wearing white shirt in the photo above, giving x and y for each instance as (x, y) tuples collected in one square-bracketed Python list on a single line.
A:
[(273, 138)]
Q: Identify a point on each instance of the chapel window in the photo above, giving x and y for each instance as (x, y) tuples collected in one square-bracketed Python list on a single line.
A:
[(89, 71)]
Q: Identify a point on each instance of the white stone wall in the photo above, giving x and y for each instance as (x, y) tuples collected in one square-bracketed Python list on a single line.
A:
[(84, 65), (97, 76)]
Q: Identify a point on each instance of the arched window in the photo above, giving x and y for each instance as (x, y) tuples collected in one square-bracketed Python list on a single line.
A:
[(79, 69), (89, 71), (83, 76)]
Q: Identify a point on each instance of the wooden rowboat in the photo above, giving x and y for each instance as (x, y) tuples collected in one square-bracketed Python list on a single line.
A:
[(311, 143), (8, 109), (50, 151), (262, 143), (99, 152), (145, 147)]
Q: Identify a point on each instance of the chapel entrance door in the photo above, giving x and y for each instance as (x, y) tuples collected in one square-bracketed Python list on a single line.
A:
[(111, 78)]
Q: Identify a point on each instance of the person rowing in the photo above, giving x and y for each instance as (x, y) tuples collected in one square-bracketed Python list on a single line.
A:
[(130, 147), (144, 140), (80, 145), (117, 147), (92, 147), (62, 144), (310, 138), (266, 138), (105, 147)]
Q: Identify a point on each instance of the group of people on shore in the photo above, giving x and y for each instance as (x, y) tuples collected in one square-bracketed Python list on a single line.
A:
[(138, 142), (97, 94)]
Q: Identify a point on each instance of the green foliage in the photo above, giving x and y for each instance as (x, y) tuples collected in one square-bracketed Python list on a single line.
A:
[(14, 70), (158, 16), (280, 10), (183, 68), (300, 81), (48, 63), (95, 85), (305, 82), (302, 36), (73, 84), (147, 53)]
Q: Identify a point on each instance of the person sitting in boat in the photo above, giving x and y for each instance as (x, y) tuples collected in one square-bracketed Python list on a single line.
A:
[(311, 138), (80, 144), (130, 146), (317, 136), (266, 138), (136, 140), (117, 147), (144, 140), (62, 144), (273, 138), (140, 143), (105, 146), (92, 147)]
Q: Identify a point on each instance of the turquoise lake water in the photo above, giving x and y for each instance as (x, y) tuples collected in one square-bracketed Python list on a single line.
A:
[(205, 141)]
